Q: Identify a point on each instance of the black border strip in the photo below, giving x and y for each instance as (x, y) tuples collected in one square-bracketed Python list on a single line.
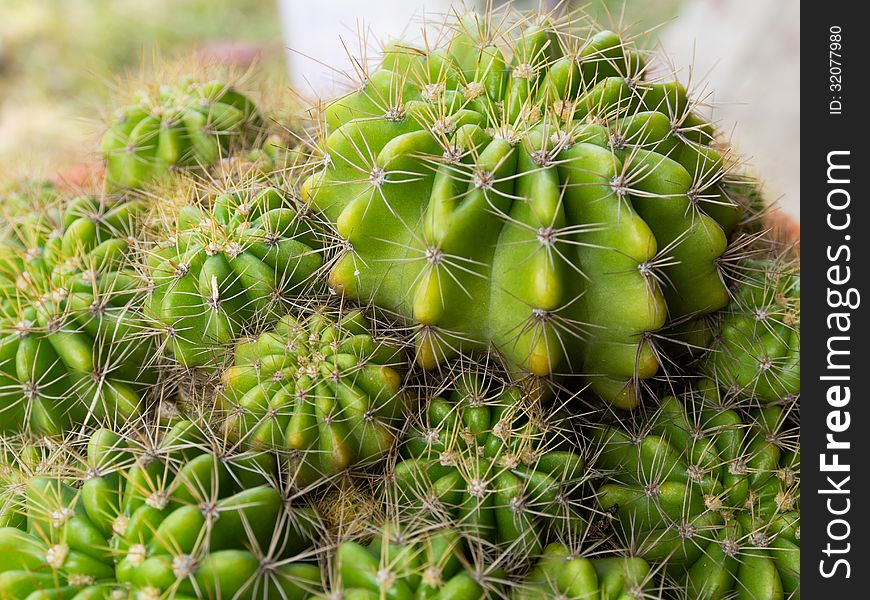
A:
[(831, 249)]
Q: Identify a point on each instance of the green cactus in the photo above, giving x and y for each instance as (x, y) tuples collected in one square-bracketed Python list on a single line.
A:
[(549, 203), (225, 267), (320, 386), (167, 517), (189, 124), (429, 564), (713, 493), (494, 464), (756, 350), (20, 196), (560, 573), (71, 343), (187, 411)]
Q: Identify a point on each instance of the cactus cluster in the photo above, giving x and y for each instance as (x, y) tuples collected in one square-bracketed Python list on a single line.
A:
[(494, 463), (500, 323)]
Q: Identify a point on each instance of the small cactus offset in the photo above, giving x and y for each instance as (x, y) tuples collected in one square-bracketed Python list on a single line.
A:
[(756, 350), (225, 264), (713, 493), (490, 460), (399, 563), (501, 323), (73, 346), (192, 123), (526, 188), (320, 387)]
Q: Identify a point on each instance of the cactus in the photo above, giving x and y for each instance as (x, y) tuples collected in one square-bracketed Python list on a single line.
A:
[(492, 462), (71, 349), (226, 267), (397, 564), (189, 124), (22, 458), (560, 573), (713, 493), (756, 351), (550, 203), (167, 517), (320, 386), (206, 383)]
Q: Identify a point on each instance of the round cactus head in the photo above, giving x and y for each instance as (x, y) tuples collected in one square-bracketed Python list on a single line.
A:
[(490, 460), (320, 388), (563, 573), (407, 561), (713, 492), (72, 345), (527, 186), (756, 348)]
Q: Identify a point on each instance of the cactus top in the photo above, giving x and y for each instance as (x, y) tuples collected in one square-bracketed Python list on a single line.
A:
[(399, 564), (560, 573), (526, 188), (225, 265), (319, 387)]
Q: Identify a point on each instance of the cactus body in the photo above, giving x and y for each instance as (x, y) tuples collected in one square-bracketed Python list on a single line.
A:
[(21, 196), (715, 495), (226, 267), (319, 386), (71, 345), (191, 123), (494, 467), (429, 566), (550, 204), (173, 519), (756, 352), (560, 574)]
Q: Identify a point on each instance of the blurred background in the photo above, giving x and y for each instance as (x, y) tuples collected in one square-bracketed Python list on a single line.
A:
[(61, 62)]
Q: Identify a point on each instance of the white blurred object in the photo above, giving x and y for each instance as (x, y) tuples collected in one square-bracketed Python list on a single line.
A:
[(747, 53), (319, 34)]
